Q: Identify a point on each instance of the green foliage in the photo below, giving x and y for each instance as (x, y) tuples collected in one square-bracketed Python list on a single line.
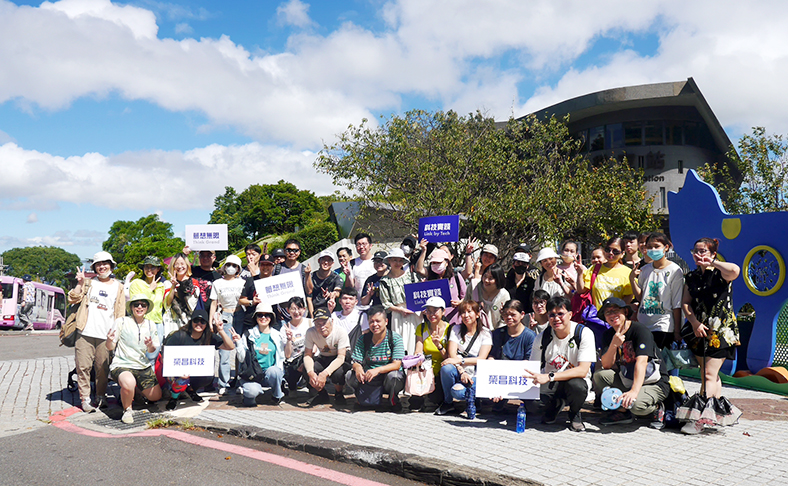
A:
[(313, 239), (762, 183), (45, 263), (130, 242), (262, 210), (524, 182)]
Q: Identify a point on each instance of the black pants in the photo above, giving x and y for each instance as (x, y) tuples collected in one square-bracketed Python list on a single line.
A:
[(323, 362), (574, 391)]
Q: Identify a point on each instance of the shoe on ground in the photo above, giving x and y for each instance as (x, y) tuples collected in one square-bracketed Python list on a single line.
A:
[(445, 409), (87, 407), (692, 428), (576, 424), (397, 407), (658, 418), (223, 391), (172, 403), (101, 402), (319, 399), (128, 416), (617, 417), (339, 399), (551, 414), (193, 395), (276, 401), (285, 388)]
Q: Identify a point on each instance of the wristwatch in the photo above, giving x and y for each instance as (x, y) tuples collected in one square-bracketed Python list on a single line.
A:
[(551, 376)]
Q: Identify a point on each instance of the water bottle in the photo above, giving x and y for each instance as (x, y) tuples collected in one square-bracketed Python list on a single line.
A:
[(470, 402), (521, 418)]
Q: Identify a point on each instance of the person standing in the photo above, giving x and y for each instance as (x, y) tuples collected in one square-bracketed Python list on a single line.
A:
[(28, 300), (363, 266), (103, 302)]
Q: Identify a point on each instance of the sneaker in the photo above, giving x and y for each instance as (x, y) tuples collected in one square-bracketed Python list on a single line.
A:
[(658, 418), (87, 407), (193, 395), (692, 428), (285, 388), (551, 415), (276, 401), (101, 402), (128, 416), (397, 407), (319, 399), (617, 418), (223, 391), (339, 399), (444, 409), (172, 403), (576, 424)]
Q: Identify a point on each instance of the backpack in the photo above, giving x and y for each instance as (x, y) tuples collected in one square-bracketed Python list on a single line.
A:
[(368, 344), (353, 337), (547, 338)]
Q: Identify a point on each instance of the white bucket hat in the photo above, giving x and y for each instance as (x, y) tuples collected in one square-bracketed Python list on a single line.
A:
[(102, 256), (546, 253)]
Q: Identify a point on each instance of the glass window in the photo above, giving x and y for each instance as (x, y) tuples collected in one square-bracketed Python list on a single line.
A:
[(60, 303), (8, 290), (597, 138), (663, 197), (583, 137), (652, 133), (614, 136), (633, 134), (674, 133), (681, 166), (692, 134)]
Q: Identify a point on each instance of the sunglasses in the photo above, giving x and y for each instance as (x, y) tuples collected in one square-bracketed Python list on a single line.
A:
[(293, 250), (262, 316), (613, 251), (200, 322), (139, 304)]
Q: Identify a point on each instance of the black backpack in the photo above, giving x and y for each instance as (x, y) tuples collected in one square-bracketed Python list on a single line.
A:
[(547, 338)]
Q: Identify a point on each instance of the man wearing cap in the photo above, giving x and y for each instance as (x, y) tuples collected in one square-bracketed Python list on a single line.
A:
[(249, 298), (325, 283), (103, 302), (279, 256), (520, 280), (28, 300), (371, 294), (640, 374), (333, 344)]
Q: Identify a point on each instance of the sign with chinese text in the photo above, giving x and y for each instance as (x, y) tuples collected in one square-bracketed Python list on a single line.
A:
[(416, 294), (188, 361), (280, 288), (206, 237), (440, 229), (506, 379)]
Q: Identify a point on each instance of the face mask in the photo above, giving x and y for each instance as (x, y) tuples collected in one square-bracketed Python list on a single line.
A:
[(438, 268), (519, 270), (655, 254), (567, 258), (406, 249), (230, 270)]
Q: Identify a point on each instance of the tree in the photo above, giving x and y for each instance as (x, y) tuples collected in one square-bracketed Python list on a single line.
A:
[(526, 181), (47, 263), (130, 242), (761, 184), (262, 210)]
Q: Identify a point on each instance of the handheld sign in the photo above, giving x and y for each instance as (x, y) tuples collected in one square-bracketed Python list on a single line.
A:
[(439, 229), (206, 236), (506, 379), (416, 294), (188, 361), (280, 288)]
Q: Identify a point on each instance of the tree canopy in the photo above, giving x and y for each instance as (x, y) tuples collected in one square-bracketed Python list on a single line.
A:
[(762, 161), (525, 181), (262, 210), (130, 242), (46, 263)]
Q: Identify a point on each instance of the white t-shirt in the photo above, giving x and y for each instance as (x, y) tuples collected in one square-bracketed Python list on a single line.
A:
[(101, 308), (227, 292), (663, 290), (328, 346), (485, 337), (362, 270), (563, 354), (299, 336), (130, 349), (350, 321)]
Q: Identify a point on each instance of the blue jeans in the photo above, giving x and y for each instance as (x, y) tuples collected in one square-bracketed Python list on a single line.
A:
[(225, 372), (450, 377), (272, 379)]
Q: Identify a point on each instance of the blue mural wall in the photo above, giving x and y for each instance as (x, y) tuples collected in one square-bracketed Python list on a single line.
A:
[(755, 242)]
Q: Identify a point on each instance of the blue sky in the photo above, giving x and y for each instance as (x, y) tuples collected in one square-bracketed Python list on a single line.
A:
[(113, 111)]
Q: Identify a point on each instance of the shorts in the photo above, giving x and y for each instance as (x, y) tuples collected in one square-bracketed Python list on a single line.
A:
[(146, 378)]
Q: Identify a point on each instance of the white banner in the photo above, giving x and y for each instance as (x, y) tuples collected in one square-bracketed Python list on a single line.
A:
[(206, 237), (280, 288), (188, 361), (506, 379)]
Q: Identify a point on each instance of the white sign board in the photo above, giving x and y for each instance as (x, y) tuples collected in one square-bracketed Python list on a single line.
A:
[(506, 379), (280, 288), (188, 361), (206, 237)]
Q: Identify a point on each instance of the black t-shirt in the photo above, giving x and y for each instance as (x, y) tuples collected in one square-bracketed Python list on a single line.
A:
[(205, 279), (329, 284), (524, 292), (373, 279), (182, 338), (638, 341)]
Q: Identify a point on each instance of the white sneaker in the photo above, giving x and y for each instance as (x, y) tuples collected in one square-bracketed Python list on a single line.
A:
[(128, 417), (87, 407), (223, 391), (692, 428)]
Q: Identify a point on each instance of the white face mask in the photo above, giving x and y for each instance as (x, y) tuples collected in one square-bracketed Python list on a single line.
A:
[(230, 270), (438, 268)]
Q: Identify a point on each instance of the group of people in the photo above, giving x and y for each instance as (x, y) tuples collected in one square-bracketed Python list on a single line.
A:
[(590, 328)]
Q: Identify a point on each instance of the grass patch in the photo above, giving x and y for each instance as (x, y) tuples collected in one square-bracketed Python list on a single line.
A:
[(160, 423)]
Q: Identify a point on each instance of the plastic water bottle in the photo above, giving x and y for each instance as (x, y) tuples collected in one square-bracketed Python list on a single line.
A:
[(470, 402), (521, 418)]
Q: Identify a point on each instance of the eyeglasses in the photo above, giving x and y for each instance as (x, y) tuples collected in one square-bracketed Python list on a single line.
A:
[(139, 304), (293, 250), (539, 303), (613, 251), (559, 315)]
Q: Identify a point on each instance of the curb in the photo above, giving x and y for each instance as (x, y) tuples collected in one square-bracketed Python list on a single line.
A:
[(409, 466)]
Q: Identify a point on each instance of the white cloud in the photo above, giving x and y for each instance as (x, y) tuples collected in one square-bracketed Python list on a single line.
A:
[(141, 22), (61, 239), (183, 28), (32, 218), (5, 138), (150, 180), (294, 12)]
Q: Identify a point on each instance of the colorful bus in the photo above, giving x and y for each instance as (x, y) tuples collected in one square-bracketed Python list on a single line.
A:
[(49, 310)]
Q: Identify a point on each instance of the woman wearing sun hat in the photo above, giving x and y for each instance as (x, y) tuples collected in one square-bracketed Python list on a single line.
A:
[(552, 279), (136, 343), (227, 312), (392, 295)]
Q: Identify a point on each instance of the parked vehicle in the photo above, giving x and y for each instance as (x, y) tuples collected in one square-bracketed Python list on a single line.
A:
[(49, 310)]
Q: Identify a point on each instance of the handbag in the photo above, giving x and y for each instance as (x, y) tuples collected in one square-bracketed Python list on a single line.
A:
[(249, 369), (369, 394), (68, 331), (419, 380), (581, 302)]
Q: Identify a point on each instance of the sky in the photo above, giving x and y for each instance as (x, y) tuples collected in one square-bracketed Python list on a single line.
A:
[(114, 111)]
